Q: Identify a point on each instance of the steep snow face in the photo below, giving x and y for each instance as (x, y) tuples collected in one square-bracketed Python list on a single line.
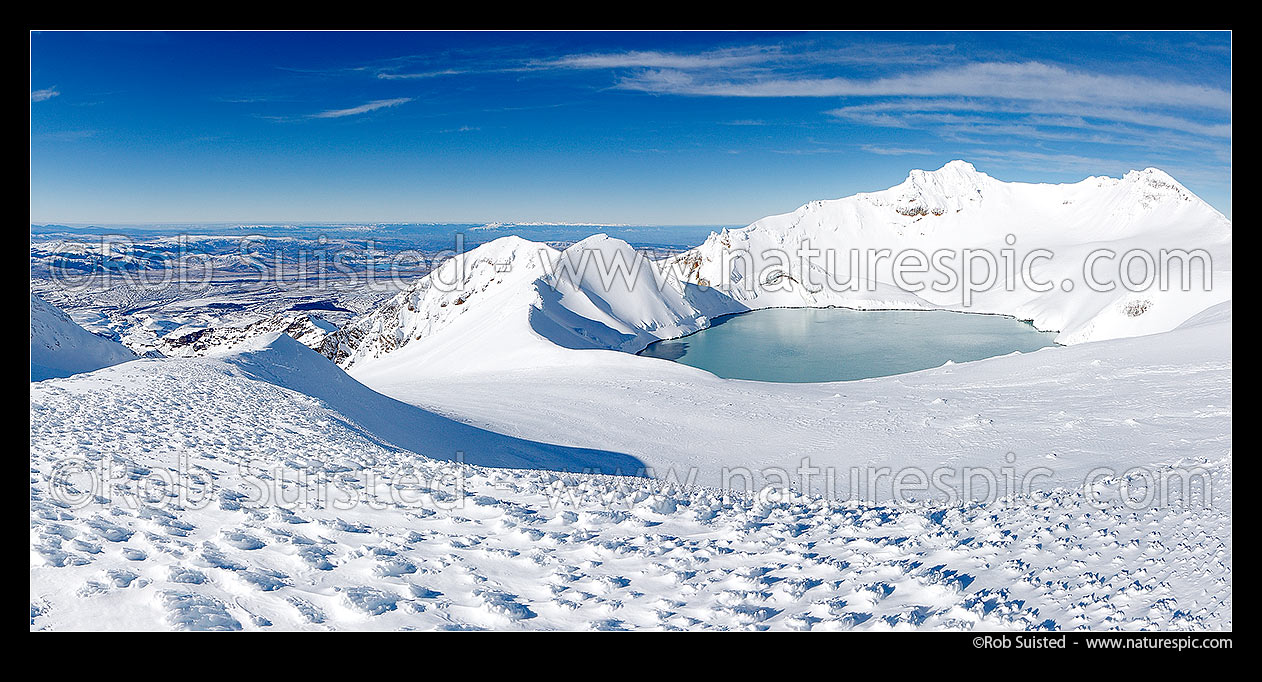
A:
[(512, 303), (60, 348), (957, 208), (472, 290), (624, 304)]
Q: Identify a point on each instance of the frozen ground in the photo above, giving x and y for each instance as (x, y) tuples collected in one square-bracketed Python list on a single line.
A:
[(184, 536)]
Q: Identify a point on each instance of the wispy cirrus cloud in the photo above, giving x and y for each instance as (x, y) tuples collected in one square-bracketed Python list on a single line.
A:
[(45, 94), (1022, 81), (423, 67), (999, 101), (421, 75), (745, 57), (363, 108), (910, 113), (776, 56), (721, 58), (895, 151), (1071, 108)]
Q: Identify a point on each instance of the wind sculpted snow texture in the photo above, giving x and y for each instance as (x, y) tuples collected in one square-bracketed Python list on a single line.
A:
[(514, 350), (534, 549)]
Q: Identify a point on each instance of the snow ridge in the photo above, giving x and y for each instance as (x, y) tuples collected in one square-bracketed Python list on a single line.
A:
[(512, 296)]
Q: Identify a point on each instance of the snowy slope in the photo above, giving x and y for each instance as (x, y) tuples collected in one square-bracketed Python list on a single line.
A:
[(1155, 400), (278, 359), (958, 207), (60, 348), (238, 501), (281, 361)]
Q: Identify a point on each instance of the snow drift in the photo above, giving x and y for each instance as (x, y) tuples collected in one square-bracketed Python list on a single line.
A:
[(278, 359)]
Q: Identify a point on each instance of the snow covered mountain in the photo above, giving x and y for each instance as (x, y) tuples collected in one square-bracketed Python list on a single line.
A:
[(506, 303), (513, 303), (958, 207), (59, 347)]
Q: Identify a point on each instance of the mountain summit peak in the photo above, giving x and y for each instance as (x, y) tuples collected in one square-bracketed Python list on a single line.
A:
[(950, 188), (958, 165), (952, 171)]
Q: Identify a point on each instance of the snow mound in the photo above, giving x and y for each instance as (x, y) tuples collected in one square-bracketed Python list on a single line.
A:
[(1219, 314), (488, 279), (60, 348), (627, 306)]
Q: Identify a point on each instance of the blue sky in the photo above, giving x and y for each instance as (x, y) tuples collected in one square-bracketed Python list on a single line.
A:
[(645, 128)]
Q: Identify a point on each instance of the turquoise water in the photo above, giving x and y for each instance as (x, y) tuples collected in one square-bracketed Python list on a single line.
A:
[(836, 344)]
